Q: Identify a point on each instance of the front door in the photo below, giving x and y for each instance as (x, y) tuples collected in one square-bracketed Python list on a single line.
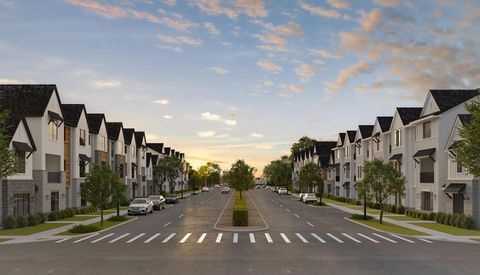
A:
[(458, 203)]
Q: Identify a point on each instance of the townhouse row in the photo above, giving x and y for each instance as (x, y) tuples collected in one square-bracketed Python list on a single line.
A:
[(420, 141), (58, 144)]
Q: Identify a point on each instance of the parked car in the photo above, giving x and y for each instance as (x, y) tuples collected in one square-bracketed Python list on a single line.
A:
[(225, 190), (282, 191), (309, 198), (171, 199), (300, 196), (140, 206), (216, 186), (275, 189), (205, 189), (158, 202)]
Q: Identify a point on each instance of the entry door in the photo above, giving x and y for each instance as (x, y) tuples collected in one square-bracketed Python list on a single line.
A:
[(458, 203)]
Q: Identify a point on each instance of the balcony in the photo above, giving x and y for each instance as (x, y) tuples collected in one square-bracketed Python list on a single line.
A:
[(427, 177), (54, 177), (426, 143)]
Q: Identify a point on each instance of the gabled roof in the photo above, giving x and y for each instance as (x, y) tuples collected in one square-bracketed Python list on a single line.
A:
[(72, 113), (154, 159), (139, 138), (448, 99), (95, 122), (172, 152), (114, 129), (342, 138), (128, 135), (351, 135), (324, 151), (11, 125), (149, 157), (177, 155), (365, 130), (385, 122), (182, 155), (158, 147), (27, 100), (167, 151), (465, 118), (409, 114)]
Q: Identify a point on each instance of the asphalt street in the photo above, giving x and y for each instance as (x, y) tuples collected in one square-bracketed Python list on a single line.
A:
[(181, 240)]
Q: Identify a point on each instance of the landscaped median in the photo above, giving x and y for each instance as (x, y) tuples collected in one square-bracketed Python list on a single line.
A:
[(241, 214), (240, 211)]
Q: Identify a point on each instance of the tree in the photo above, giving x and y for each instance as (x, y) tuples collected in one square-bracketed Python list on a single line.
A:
[(240, 176), (118, 192), (8, 160), (168, 168), (193, 180), (279, 172), (98, 187), (210, 174), (303, 143), (311, 176), (469, 148)]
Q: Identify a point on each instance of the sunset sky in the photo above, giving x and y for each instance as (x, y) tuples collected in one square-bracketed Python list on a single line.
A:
[(241, 79)]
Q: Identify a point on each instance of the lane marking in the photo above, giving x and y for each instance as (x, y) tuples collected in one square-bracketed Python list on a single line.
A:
[(424, 240), (401, 238), (86, 238), (296, 215), (252, 238), (181, 215), (310, 224), (335, 238), (168, 238), (135, 238), (119, 238), (165, 225), (102, 238), (62, 240), (219, 238), (288, 210), (383, 237), (368, 238), (269, 239), (301, 237), (152, 238), (351, 238), (235, 237), (284, 237), (185, 238), (281, 205), (318, 238), (200, 240)]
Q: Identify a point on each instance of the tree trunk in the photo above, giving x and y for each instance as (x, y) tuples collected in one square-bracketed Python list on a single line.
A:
[(365, 208), (101, 216), (241, 194), (381, 213)]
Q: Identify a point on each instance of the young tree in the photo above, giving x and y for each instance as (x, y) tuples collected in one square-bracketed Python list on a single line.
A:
[(193, 180), (469, 148), (397, 183), (363, 194), (168, 168), (8, 161), (279, 172), (118, 192), (98, 187), (240, 176), (311, 176)]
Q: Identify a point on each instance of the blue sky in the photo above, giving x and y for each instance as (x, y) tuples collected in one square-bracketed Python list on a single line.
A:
[(222, 80)]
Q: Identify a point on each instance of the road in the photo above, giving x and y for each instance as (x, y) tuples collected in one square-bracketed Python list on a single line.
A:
[(300, 240)]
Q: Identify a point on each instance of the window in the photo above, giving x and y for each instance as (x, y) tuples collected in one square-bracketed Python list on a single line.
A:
[(125, 149), (53, 130), (101, 143), (338, 154), (134, 152), (21, 204), (133, 172), (459, 167), (20, 158), (112, 147), (54, 201), (121, 171), (378, 145), (89, 139), (398, 138), (427, 203), (427, 130), (347, 151), (83, 134), (120, 148), (82, 165), (359, 172)]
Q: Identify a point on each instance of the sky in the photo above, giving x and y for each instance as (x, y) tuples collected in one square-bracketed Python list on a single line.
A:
[(241, 79)]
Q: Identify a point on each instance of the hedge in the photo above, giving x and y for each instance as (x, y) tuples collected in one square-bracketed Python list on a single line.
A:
[(81, 228), (240, 211), (12, 222), (374, 205), (457, 220)]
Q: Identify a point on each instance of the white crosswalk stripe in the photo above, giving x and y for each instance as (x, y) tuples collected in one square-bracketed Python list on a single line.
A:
[(86, 238), (284, 237), (252, 238), (119, 238), (424, 240), (351, 238), (235, 238), (335, 238), (102, 238), (219, 238), (135, 238), (301, 238), (401, 238), (200, 240), (168, 238), (152, 238), (185, 238), (62, 240), (368, 238), (269, 238), (318, 238), (383, 237)]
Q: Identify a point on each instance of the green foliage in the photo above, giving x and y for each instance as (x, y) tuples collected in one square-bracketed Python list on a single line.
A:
[(168, 168), (22, 221), (10, 222), (279, 172), (98, 187), (240, 211), (118, 219), (209, 174), (360, 217), (467, 151), (81, 229), (302, 143), (194, 180), (310, 177), (8, 160), (40, 217), (33, 220), (240, 176)]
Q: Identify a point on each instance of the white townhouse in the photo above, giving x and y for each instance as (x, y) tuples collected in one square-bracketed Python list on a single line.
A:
[(402, 141), (116, 150), (462, 190), (432, 131), (362, 151), (77, 152), (131, 161), (97, 126), (17, 192), (141, 151), (40, 105), (380, 140), (339, 161), (330, 181), (321, 153), (156, 152), (348, 166)]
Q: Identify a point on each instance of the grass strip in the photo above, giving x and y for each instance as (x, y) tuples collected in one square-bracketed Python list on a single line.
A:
[(106, 224), (449, 229), (390, 228), (25, 231)]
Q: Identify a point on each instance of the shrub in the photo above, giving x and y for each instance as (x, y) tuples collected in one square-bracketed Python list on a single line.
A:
[(424, 216), (393, 209), (22, 221), (240, 211), (432, 216), (467, 222), (118, 219), (53, 216), (360, 217), (317, 203), (40, 217), (10, 222), (32, 220), (81, 228), (376, 206), (401, 209), (358, 203), (449, 219)]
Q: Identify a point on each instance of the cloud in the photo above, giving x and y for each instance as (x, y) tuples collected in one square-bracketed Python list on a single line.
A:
[(339, 4), (252, 8), (211, 28), (206, 134), (108, 11), (256, 135), (170, 2), (219, 70), (272, 42), (230, 122), (167, 117), (269, 66), (305, 72), (296, 89), (211, 117), (264, 147), (14, 81), (370, 21), (213, 7), (105, 84), (161, 101), (347, 74), (325, 54), (387, 3), (320, 11), (290, 29), (183, 39)]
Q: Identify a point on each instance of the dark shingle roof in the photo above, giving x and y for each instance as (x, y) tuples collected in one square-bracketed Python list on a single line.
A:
[(11, 125), (409, 114), (385, 122), (139, 136), (465, 118), (167, 151), (342, 138), (128, 135), (324, 151), (154, 159), (366, 130), (351, 135), (27, 100), (113, 130), (95, 122), (448, 99), (177, 155), (72, 113), (156, 146), (149, 157)]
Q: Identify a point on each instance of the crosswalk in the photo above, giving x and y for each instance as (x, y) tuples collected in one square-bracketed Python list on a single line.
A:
[(252, 238)]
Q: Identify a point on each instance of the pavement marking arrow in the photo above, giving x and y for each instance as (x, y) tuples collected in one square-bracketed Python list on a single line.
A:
[(284, 237), (152, 238), (335, 238), (351, 238), (86, 238), (318, 238), (135, 238), (119, 238), (383, 237), (168, 238), (200, 240), (368, 238), (102, 238)]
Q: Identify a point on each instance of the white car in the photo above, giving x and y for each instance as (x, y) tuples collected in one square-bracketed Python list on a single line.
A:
[(300, 196), (216, 186), (140, 206), (309, 198), (205, 189), (282, 191)]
